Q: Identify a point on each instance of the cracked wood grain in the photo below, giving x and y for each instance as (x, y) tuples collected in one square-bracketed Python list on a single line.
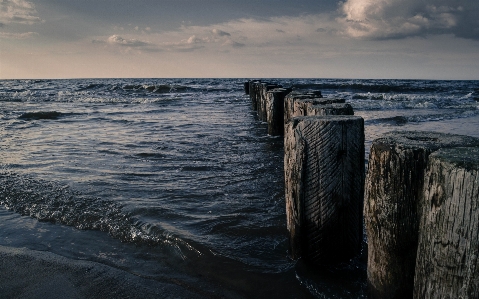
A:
[(394, 184), (447, 264), (324, 184)]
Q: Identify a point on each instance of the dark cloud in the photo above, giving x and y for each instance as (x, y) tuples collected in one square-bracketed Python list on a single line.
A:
[(395, 19), (220, 32), (170, 14)]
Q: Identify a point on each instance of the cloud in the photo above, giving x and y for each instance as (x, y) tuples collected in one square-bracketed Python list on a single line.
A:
[(127, 44), (186, 45), (118, 40), (18, 11), (17, 35), (233, 44), (194, 40), (282, 35), (290, 34), (392, 19), (220, 32)]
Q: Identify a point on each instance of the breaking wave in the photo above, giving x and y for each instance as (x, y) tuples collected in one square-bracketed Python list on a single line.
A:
[(51, 202), (385, 86), (401, 120)]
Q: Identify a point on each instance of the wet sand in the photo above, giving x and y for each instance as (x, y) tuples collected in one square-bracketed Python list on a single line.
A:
[(30, 274)]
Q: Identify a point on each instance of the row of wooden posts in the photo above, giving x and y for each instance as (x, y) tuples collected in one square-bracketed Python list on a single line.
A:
[(419, 200)]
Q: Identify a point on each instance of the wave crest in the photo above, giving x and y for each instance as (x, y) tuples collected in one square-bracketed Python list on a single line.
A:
[(49, 202)]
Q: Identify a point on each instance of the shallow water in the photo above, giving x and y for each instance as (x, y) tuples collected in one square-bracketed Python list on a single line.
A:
[(182, 175)]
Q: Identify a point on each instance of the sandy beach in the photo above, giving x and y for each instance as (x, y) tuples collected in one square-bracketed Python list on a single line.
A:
[(30, 274)]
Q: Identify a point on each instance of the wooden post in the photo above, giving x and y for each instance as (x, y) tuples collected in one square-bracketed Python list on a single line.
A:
[(324, 184), (261, 103), (330, 109), (252, 93), (289, 104), (394, 183), (258, 90), (275, 110), (246, 87), (254, 89), (448, 251), (300, 106)]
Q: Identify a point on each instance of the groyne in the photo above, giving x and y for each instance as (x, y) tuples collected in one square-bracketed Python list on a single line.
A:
[(418, 201)]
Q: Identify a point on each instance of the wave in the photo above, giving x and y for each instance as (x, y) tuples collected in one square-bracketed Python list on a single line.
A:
[(41, 115), (146, 88), (384, 101), (50, 202), (475, 95), (150, 156), (401, 120), (91, 86), (163, 88), (381, 86)]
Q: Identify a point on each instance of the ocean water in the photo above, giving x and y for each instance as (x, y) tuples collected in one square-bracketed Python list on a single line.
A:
[(176, 179)]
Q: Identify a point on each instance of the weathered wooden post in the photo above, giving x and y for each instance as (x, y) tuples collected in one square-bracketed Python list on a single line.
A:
[(324, 184), (253, 93), (330, 109), (275, 110), (300, 106), (394, 183), (262, 109), (289, 104), (260, 103), (246, 87), (447, 263)]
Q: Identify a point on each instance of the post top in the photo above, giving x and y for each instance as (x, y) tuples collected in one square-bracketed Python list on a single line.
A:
[(425, 140), (461, 157), (325, 118)]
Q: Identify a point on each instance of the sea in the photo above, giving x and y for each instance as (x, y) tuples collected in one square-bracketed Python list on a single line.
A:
[(177, 180)]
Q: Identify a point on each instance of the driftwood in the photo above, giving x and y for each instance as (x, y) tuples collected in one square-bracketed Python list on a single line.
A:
[(394, 184), (448, 251), (324, 184), (275, 110)]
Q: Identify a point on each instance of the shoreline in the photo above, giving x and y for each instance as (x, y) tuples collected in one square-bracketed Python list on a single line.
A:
[(29, 274)]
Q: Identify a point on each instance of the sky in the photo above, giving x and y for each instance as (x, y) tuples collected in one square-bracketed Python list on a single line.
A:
[(368, 39)]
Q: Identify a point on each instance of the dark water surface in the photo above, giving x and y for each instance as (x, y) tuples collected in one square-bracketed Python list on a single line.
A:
[(182, 175)]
